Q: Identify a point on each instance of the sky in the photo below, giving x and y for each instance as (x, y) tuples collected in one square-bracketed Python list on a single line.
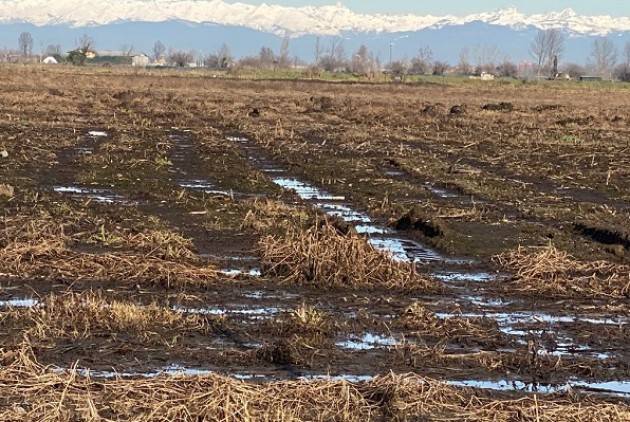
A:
[(464, 7)]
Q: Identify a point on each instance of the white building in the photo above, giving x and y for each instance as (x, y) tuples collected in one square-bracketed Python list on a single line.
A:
[(140, 60), (50, 60)]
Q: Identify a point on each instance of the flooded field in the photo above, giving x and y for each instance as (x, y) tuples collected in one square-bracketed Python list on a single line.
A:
[(380, 258)]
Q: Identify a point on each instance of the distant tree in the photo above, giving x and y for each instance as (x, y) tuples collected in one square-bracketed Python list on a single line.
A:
[(85, 43), (180, 58), (224, 56), (335, 58), (53, 50), (507, 69), (222, 59), (440, 68), (574, 70), (76, 57), (421, 64), (622, 72), (546, 48), (266, 57), (126, 49), (399, 69), (464, 67), (603, 56), (363, 62), (159, 50), (25, 44), (284, 60), (486, 57), (318, 50)]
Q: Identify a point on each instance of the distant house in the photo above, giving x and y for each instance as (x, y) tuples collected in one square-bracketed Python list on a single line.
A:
[(485, 76), (50, 60), (140, 60)]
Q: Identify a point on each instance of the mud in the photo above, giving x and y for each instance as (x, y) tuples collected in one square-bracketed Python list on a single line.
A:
[(191, 169)]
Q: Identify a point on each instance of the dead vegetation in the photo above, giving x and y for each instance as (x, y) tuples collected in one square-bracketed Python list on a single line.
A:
[(548, 270), (85, 315), (30, 391), (41, 246), (324, 257)]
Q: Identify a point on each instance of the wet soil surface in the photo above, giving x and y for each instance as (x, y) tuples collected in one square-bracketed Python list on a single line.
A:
[(256, 328)]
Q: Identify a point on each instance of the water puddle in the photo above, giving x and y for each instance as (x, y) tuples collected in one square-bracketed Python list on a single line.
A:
[(103, 196), (609, 387), (259, 295), (254, 272), (344, 212), (405, 250), (507, 320), (306, 191), (247, 312), (368, 341), (97, 134), (19, 303), (442, 192), (343, 377), (480, 277), (204, 186)]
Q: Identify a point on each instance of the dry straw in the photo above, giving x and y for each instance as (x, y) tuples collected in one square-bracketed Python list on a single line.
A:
[(32, 392), (322, 256), (549, 270)]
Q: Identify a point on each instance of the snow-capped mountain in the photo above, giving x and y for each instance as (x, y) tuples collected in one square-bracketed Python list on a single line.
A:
[(281, 20)]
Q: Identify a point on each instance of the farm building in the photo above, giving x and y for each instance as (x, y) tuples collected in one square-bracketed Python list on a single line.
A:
[(140, 60), (50, 60)]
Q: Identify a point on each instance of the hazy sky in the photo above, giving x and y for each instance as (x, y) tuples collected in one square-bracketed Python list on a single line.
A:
[(461, 7)]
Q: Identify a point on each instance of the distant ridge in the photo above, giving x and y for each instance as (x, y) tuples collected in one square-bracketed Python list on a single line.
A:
[(281, 20)]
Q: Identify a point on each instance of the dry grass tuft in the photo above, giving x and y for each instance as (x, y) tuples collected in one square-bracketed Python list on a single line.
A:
[(549, 270), (83, 315), (30, 391), (39, 247), (324, 257)]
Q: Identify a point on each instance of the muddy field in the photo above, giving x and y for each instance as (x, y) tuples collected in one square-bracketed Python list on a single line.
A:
[(174, 247)]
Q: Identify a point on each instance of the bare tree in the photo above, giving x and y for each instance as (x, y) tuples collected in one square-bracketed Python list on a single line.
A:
[(486, 57), (507, 69), (399, 69), (363, 62), (603, 56), (546, 48), (622, 72), (421, 64), (266, 57), (85, 43), (224, 56), (574, 70), (283, 57), (180, 58), (126, 49), (318, 50), (53, 50), (464, 66), (25, 43), (440, 68), (159, 50), (336, 56)]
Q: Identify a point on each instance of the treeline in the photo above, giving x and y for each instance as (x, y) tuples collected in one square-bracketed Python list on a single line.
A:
[(546, 59)]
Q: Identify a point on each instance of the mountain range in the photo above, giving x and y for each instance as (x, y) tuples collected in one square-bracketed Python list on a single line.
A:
[(203, 25)]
